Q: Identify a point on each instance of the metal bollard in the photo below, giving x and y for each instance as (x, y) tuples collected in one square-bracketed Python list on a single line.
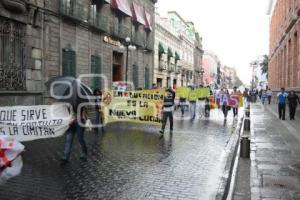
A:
[(247, 124), (245, 147)]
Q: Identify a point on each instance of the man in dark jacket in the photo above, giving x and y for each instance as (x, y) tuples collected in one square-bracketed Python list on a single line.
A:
[(168, 107), (293, 100)]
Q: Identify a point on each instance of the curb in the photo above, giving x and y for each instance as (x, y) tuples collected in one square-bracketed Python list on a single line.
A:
[(227, 176)]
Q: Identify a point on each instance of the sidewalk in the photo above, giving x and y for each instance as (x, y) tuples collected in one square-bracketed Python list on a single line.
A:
[(275, 150)]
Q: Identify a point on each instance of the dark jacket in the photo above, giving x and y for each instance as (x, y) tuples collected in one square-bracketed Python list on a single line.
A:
[(169, 101), (293, 100)]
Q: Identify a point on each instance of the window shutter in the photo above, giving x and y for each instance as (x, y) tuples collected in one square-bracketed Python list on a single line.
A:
[(96, 69), (135, 76), (69, 62), (147, 78)]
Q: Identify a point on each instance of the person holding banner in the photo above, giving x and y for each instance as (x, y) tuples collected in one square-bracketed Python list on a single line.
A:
[(193, 100), (182, 102), (168, 107), (76, 128)]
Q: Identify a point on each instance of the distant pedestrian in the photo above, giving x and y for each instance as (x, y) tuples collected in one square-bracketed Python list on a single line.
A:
[(293, 100), (235, 94), (282, 96), (76, 128), (182, 104), (207, 107), (269, 95), (168, 108), (264, 96), (193, 102), (246, 97), (224, 101)]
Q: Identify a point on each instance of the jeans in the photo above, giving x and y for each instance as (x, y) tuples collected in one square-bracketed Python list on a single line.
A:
[(235, 111), (74, 129), (182, 108), (167, 115), (193, 109), (225, 110), (98, 122), (269, 99), (281, 111)]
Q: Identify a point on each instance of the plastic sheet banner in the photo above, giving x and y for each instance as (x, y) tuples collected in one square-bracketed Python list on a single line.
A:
[(197, 93), (10, 159), (140, 106), (26, 123), (182, 92)]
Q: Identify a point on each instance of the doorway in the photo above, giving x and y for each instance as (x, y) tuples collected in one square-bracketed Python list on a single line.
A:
[(159, 82), (117, 66)]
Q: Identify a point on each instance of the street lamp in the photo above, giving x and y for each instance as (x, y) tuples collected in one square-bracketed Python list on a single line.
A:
[(128, 47)]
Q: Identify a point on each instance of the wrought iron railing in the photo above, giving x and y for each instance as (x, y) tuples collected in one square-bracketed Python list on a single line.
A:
[(100, 22), (12, 55)]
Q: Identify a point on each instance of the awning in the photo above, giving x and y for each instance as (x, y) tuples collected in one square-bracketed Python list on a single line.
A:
[(137, 14), (170, 53), (121, 5), (161, 48), (107, 1), (148, 21)]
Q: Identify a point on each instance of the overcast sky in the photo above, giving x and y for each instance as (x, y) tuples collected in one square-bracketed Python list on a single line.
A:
[(236, 30)]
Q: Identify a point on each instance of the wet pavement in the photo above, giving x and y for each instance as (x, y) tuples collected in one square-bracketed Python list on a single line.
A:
[(275, 163), (129, 162)]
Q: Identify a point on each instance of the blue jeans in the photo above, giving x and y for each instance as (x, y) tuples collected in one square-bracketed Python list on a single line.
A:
[(74, 129), (193, 109)]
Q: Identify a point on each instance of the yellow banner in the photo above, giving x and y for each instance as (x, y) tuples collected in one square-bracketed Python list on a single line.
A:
[(203, 92), (141, 106), (182, 92)]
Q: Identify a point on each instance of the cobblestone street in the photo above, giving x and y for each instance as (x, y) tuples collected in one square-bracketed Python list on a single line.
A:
[(129, 162)]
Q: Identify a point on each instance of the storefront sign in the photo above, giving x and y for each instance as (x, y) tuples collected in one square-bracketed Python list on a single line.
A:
[(111, 41)]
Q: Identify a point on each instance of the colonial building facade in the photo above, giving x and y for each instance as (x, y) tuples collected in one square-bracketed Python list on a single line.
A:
[(45, 39), (211, 64), (284, 68), (178, 52)]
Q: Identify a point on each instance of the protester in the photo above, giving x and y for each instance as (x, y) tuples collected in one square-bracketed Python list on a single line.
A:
[(76, 128), (224, 102), (282, 96), (207, 107), (98, 119), (168, 107), (193, 101), (269, 95), (182, 104), (235, 94), (293, 100)]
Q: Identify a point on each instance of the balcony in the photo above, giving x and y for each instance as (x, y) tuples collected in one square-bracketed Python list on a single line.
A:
[(100, 22), (162, 65), (120, 31), (74, 9)]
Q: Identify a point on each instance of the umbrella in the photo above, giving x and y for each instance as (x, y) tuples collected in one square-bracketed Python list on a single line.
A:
[(69, 89)]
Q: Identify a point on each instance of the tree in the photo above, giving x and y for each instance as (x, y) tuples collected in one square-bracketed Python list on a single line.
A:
[(264, 65)]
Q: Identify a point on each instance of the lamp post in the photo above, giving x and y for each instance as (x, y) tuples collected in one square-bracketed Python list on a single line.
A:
[(128, 47)]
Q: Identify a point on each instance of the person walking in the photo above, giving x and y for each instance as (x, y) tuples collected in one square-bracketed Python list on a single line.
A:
[(182, 102), (246, 97), (224, 102), (235, 95), (293, 101), (263, 96), (193, 100), (75, 128), (282, 96), (168, 108), (269, 95)]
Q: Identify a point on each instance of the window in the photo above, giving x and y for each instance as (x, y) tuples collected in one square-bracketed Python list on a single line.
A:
[(69, 62), (96, 70), (12, 55), (147, 77), (135, 76)]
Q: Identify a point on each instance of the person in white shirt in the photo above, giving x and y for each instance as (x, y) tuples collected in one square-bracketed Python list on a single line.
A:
[(269, 95)]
